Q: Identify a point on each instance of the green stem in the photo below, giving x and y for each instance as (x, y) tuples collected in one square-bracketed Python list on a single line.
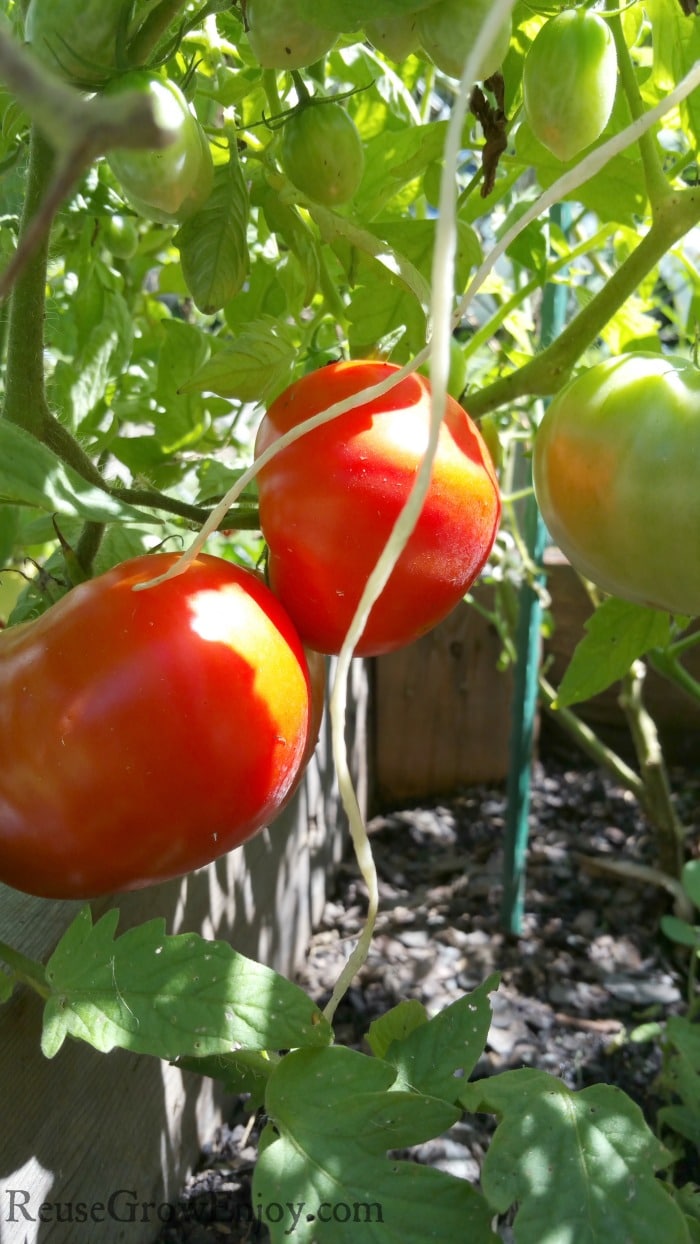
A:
[(25, 394), (656, 800), (26, 970), (589, 742), (156, 25), (658, 187), (88, 545), (547, 371), (668, 665)]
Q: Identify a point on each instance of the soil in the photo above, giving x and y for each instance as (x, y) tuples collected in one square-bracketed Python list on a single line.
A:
[(588, 967)]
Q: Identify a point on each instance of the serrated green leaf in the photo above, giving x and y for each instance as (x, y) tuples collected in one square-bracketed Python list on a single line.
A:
[(335, 1113), (170, 996), (81, 385), (286, 222), (580, 1166), (438, 1057), (254, 367), (395, 1025), (30, 474), (617, 634), (213, 243), (182, 417)]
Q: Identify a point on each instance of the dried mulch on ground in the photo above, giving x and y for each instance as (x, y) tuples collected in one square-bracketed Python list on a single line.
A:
[(587, 968)]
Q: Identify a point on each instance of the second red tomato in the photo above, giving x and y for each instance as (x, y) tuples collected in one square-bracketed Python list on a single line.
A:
[(329, 501)]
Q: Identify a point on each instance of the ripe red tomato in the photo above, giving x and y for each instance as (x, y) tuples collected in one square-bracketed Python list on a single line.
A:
[(616, 478), (145, 733), (329, 501), (569, 81)]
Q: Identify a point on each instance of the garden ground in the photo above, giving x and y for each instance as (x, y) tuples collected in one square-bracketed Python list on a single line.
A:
[(588, 968)]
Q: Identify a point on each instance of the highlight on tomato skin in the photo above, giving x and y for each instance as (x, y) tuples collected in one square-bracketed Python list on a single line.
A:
[(146, 733), (329, 501)]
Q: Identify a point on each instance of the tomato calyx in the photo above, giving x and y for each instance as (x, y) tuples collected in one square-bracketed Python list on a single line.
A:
[(306, 100)]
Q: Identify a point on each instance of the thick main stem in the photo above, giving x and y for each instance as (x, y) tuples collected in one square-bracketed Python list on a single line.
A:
[(25, 396), (657, 800)]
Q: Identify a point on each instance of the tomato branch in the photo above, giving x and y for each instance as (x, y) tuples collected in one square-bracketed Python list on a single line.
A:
[(656, 799), (28, 971), (544, 374), (25, 397), (658, 187)]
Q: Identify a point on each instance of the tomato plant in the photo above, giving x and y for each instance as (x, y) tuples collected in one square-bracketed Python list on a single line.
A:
[(328, 503), (145, 733), (569, 81), (282, 38), (322, 152), (172, 183), (615, 473), (448, 29)]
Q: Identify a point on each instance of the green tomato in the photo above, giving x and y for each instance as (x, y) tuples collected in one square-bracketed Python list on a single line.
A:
[(79, 41), (569, 82), (170, 183), (615, 470), (322, 153), (448, 30), (396, 37), (281, 38), (120, 236), (457, 375)]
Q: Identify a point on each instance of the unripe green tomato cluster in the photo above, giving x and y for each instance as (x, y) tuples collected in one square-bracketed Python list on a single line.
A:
[(446, 32)]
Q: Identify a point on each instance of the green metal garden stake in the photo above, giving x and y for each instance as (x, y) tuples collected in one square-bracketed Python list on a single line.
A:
[(527, 664)]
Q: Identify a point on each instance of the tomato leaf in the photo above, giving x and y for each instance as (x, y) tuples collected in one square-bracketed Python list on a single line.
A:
[(599, 1137), (617, 634), (681, 932), (313, 1094), (169, 996), (245, 1071), (79, 386), (690, 878), (30, 474), (438, 1057), (395, 1025), (213, 243), (182, 419), (254, 367), (290, 227)]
